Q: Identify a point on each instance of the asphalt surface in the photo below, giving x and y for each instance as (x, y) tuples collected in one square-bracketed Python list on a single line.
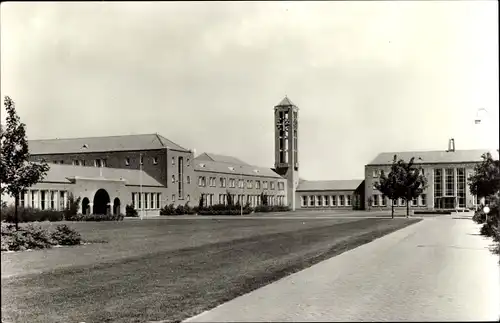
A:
[(437, 270)]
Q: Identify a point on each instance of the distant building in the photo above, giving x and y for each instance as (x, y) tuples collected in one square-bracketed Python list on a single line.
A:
[(340, 194), (447, 174)]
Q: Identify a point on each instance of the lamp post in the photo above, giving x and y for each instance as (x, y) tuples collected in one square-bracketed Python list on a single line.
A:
[(486, 210)]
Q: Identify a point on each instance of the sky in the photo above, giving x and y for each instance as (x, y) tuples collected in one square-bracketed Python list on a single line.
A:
[(368, 77)]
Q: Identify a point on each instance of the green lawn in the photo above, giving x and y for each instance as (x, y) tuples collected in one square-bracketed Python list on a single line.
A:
[(170, 269)]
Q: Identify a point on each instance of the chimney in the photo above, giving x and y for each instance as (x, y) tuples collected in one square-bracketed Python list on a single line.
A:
[(451, 145)]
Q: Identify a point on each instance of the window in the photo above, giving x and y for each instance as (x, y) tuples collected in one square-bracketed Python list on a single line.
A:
[(382, 200), (76, 162), (375, 200), (402, 202), (449, 182), (311, 200), (34, 199), (141, 159), (173, 178), (187, 162), (341, 200), (281, 186), (97, 163), (264, 184), (62, 196), (146, 201), (319, 201), (272, 185), (461, 187), (222, 182), (373, 187), (257, 185), (375, 173), (134, 202), (155, 160), (201, 181), (325, 200), (348, 200), (232, 182), (241, 184), (61, 162), (158, 200), (52, 200), (303, 201), (180, 176), (334, 200), (173, 161), (43, 200), (438, 186), (127, 161), (139, 205), (423, 200), (414, 201), (152, 201), (22, 198), (249, 184), (188, 179)]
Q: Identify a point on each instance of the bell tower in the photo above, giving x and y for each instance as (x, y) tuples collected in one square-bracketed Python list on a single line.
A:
[(286, 162)]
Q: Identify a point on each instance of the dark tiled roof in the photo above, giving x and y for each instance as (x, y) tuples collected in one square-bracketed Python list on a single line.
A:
[(220, 158), (101, 144), (234, 168), (457, 156), (286, 102), (338, 185), (61, 174)]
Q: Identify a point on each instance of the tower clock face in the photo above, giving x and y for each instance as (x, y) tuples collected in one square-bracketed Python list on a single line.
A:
[(283, 124)]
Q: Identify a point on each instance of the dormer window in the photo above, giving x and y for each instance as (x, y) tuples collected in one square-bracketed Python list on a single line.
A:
[(202, 165), (231, 168)]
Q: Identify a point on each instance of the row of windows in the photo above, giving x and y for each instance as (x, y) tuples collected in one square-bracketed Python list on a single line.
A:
[(378, 172), (44, 199), (212, 182), (326, 200), (253, 200), (379, 200), (102, 162)]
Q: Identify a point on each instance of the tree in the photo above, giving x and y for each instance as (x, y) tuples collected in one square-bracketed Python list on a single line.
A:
[(486, 178), (263, 198), (17, 173), (403, 181), (411, 181), (201, 203), (229, 198)]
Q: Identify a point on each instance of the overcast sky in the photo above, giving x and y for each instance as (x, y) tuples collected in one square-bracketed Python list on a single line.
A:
[(367, 77)]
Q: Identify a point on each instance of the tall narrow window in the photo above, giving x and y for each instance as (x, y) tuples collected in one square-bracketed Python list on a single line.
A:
[(43, 198), (134, 202), (461, 187), (334, 200), (180, 172), (341, 200), (152, 201), (53, 200), (158, 200), (450, 185), (155, 160), (438, 187)]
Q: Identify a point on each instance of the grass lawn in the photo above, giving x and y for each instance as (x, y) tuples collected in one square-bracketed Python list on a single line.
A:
[(173, 269)]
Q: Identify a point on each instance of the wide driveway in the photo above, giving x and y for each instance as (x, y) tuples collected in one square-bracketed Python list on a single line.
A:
[(436, 270)]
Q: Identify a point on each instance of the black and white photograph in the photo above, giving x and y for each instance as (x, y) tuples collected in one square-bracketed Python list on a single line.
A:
[(249, 161)]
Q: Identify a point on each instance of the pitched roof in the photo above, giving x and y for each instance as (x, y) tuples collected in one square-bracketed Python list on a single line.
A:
[(220, 158), (438, 156), (286, 102), (101, 144), (336, 185), (61, 173), (233, 168)]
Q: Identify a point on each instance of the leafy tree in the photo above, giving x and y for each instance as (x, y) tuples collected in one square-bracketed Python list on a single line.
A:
[(263, 198), (410, 181), (201, 202), (486, 178), (17, 173), (229, 198), (403, 181)]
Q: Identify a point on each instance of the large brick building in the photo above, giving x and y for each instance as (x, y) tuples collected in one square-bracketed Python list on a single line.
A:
[(149, 171), (447, 174)]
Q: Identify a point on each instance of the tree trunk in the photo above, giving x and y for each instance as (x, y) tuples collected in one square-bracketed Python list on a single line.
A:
[(392, 209), (407, 208), (16, 203)]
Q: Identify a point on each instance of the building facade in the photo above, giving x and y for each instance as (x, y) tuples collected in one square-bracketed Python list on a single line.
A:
[(447, 174), (340, 194)]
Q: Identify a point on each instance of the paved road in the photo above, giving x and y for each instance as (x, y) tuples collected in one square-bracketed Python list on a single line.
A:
[(436, 270)]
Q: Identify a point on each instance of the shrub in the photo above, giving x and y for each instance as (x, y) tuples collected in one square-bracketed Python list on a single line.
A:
[(71, 210), (31, 215), (65, 236), (271, 208), (179, 210), (130, 211), (168, 210), (28, 237), (103, 217), (221, 209)]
